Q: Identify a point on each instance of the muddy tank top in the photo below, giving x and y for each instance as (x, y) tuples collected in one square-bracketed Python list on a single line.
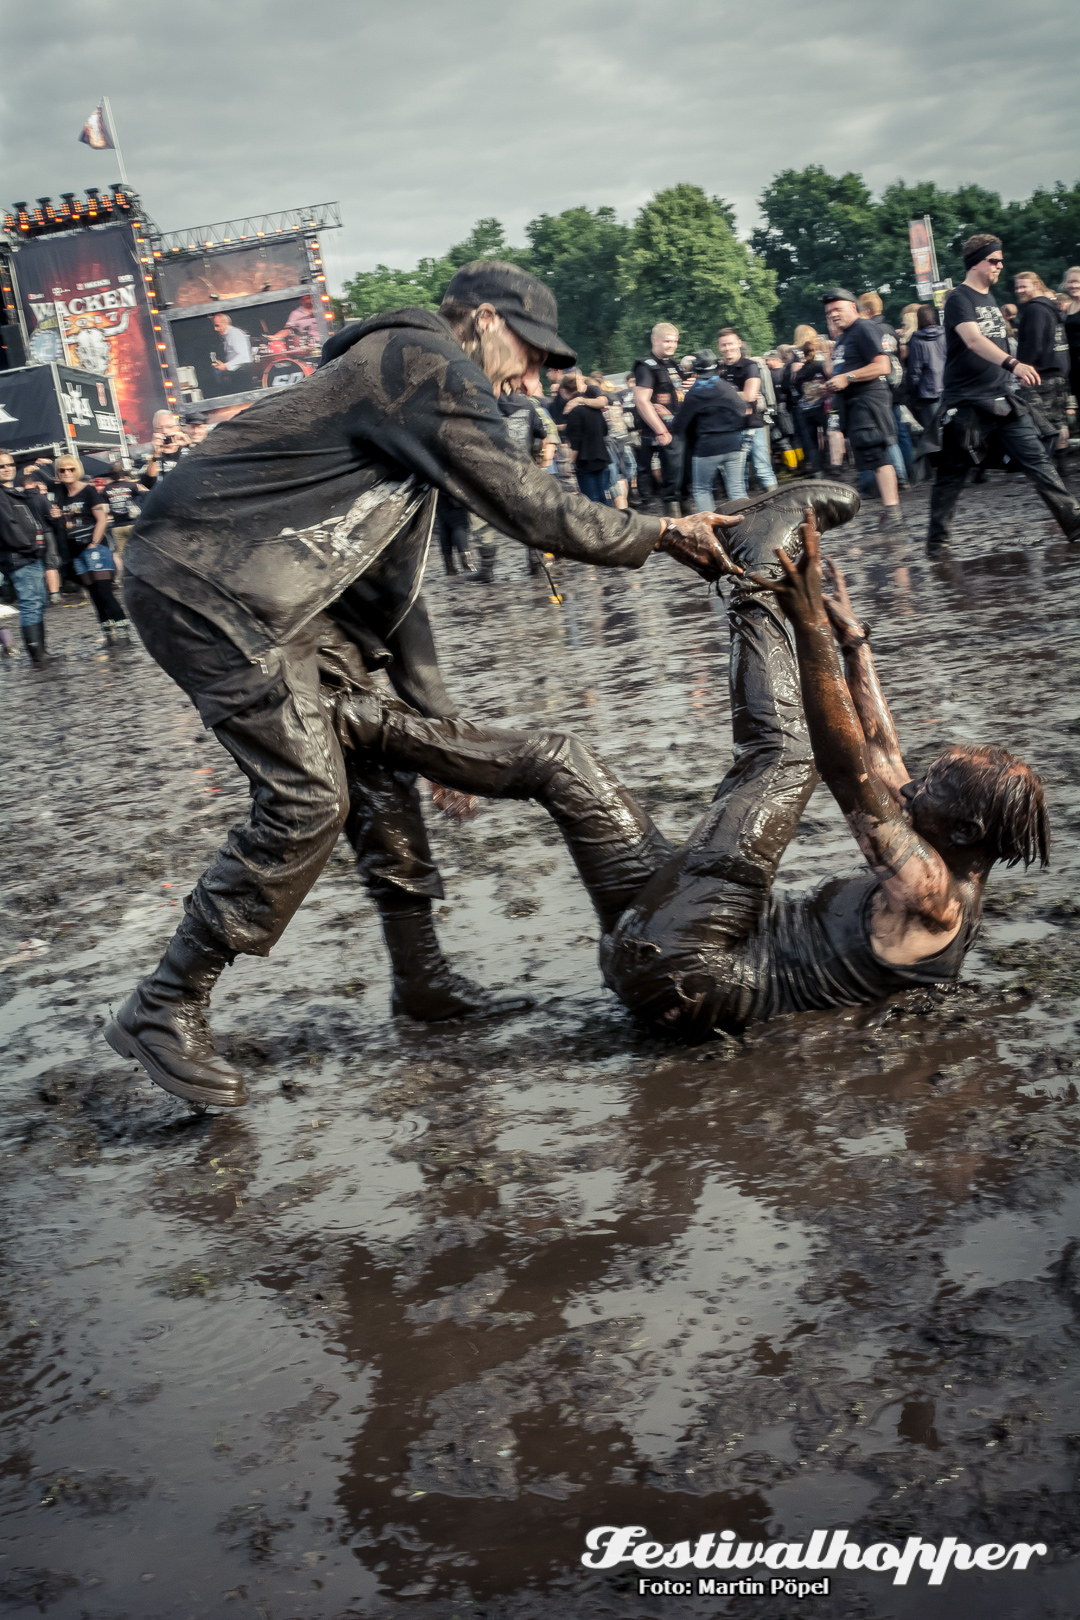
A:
[(816, 952)]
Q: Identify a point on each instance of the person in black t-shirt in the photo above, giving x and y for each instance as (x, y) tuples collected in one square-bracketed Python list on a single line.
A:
[(859, 368), (84, 518), (123, 510), (984, 412), (657, 385), (586, 434), (710, 420), (1041, 342), (744, 374)]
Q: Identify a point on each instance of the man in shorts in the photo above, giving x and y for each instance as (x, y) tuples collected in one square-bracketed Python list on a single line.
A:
[(859, 370)]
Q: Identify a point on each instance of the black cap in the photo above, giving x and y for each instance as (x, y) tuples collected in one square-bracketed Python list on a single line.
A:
[(838, 295), (525, 304), (705, 361)]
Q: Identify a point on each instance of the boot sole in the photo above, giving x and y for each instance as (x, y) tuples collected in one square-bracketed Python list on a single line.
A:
[(128, 1047), (764, 497)]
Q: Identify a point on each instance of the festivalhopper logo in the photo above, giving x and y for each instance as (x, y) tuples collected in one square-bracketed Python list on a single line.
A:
[(610, 1545)]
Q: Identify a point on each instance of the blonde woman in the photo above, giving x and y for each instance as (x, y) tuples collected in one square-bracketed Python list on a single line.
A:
[(1070, 286), (83, 513)]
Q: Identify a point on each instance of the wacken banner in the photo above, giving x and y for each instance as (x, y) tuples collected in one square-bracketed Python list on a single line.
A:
[(85, 306)]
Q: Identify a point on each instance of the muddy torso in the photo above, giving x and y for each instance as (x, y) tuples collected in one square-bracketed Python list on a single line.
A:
[(811, 952)]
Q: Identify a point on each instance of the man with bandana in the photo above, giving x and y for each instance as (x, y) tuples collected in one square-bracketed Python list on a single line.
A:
[(983, 411)]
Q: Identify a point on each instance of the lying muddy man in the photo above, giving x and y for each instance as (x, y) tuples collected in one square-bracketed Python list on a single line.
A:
[(691, 939), (281, 561)]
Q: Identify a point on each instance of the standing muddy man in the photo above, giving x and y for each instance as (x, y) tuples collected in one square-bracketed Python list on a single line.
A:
[(278, 564)]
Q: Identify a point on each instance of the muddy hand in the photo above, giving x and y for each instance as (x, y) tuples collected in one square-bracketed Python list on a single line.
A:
[(848, 628), (453, 805), (799, 590), (691, 540)]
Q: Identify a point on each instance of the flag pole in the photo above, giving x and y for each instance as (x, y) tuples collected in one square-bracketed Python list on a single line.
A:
[(111, 122)]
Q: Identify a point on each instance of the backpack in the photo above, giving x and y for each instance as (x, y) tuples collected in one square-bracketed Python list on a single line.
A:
[(768, 390)]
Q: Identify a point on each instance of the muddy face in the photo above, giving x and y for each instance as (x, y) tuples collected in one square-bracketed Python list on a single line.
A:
[(392, 1339)]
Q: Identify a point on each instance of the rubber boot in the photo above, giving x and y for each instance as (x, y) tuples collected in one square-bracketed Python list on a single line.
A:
[(485, 574), (772, 519), (34, 640), (425, 986), (163, 1025)]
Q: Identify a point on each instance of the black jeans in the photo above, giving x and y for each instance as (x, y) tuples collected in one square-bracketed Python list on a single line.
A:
[(280, 729), (671, 469), (1016, 436), (673, 920)]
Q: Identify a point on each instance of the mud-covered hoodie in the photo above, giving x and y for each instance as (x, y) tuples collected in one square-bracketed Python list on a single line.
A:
[(1040, 338), (274, 516)]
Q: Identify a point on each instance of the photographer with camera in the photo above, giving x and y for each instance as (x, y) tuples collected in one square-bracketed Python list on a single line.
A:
[(168, 444)]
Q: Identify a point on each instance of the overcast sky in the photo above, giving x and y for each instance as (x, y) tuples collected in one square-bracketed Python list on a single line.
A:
[(420, 116)]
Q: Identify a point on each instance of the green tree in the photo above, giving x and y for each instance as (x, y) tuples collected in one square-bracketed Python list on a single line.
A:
[(373, 292), (683, 263), (1043, 234), (819, 229), (577, 254)]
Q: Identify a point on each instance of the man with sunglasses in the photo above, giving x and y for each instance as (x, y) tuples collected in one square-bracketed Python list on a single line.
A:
[(983, 412)]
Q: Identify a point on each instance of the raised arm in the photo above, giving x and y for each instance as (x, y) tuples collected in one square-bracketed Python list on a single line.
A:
[(875, 716), (916, 884)]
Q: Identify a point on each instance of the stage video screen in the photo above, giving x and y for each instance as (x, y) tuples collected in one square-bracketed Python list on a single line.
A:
[(271, 345), (240, 273)]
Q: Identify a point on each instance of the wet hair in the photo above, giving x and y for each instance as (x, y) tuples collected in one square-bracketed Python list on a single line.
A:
[(995, 788), (927, 316), (868, 303), (1041, 288)]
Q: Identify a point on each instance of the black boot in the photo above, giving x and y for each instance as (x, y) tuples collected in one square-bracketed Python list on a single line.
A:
[(34, 639), (1065, 509), (485, 574), (163, 1026), (772, 519), (425, 986)]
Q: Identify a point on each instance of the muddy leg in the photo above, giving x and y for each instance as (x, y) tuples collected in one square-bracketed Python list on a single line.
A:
[(614, 844)]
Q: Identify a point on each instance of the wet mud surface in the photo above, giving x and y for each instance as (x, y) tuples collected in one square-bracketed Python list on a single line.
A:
[(392, 1339)]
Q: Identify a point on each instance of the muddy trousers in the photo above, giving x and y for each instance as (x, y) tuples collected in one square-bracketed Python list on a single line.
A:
[(1017, 437), (303, 791), (674, 921)]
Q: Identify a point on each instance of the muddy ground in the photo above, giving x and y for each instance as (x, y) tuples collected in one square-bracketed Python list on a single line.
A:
[(389, 1341)]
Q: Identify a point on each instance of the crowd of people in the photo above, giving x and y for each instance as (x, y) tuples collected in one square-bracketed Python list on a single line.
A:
[(861, 398), (945, 394), (63, 532)]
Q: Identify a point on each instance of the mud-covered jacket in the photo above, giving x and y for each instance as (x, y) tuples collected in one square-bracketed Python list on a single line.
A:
[(274, 516)]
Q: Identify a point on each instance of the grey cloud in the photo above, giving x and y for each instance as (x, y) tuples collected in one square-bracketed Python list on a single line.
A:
[(419, 117)]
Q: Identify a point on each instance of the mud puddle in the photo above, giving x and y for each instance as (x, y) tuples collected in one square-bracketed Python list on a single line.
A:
[(391, 1340)]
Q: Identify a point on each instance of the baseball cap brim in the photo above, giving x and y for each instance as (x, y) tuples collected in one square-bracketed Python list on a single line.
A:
[(541, 337)]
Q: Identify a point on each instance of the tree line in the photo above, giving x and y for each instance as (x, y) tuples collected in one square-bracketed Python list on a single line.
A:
[(680, 259)]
